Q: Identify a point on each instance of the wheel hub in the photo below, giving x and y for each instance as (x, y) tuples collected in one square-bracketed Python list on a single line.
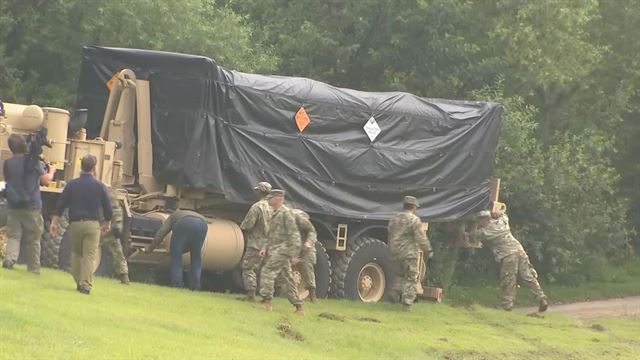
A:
[(371, 282)]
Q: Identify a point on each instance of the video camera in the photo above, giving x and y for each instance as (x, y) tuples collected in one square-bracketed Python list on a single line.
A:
[(35, 142)]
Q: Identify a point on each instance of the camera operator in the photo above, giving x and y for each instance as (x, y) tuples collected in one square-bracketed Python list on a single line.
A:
[(24, 217)]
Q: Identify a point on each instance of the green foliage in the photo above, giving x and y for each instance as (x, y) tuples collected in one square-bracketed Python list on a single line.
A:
[(41, 46), (563, 201)]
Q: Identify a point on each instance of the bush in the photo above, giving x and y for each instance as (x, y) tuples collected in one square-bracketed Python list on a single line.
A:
[(563, 201)]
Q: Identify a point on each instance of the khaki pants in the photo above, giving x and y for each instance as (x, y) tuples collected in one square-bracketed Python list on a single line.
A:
[(85, 238), (27, 225)]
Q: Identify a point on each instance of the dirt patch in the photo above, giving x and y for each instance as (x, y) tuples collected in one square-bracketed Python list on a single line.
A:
[(330, 316), (597, 327), (288, 332), (368, 319), (625, 307)]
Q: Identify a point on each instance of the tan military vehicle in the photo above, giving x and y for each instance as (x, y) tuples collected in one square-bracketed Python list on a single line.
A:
[(172, 126)]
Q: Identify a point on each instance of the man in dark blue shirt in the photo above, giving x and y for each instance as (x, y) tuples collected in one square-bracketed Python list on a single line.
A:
[(85, 196), (24, 217)]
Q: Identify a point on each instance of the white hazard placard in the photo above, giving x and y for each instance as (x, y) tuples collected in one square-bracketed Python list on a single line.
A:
[(372, 129)]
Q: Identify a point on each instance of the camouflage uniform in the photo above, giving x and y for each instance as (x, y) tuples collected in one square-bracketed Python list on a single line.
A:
[(307, 257), (406, 238), (284, 243), (111, 240), (512, 258), (256, 226)]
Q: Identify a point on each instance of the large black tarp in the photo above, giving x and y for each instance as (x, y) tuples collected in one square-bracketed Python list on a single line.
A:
[(223, 131)]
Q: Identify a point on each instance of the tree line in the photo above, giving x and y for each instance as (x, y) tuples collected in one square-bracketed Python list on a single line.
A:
[(567, 73)]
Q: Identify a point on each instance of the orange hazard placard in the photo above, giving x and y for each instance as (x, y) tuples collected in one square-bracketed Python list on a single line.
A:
[(110, 82), (302, 119)]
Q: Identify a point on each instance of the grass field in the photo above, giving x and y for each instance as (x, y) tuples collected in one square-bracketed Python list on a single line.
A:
[(44, 317)]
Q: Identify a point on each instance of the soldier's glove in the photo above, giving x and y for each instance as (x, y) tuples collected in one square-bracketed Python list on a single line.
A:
[(430, 255), (116, 231)]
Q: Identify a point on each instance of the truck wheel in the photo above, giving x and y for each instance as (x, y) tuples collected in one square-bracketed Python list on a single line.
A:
[(104, 262), (323, 271), (50, 248), (363, 272)]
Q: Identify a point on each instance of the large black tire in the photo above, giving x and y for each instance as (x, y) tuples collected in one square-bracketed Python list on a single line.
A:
[(322, 271), (362, 252), (49, 248), (106, 263)]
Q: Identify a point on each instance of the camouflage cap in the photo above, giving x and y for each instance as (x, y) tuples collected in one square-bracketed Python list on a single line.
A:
[(276, 192), (411, 200), (483, 213), (263, 186)]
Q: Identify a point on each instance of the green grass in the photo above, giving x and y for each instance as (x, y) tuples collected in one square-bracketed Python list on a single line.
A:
[(607, 282), (43, 317)]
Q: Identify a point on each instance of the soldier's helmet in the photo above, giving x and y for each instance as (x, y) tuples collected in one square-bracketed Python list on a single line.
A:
[(263, 187), (411, 200), (276, 192), (483, 213)]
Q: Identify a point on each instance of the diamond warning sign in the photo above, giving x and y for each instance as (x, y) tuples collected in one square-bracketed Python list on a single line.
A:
[(302, 119), (372, 129)]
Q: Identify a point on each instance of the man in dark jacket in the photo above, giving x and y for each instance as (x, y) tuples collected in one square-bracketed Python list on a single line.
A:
[(84, 196)]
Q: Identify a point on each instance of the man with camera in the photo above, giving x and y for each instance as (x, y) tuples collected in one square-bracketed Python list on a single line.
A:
[(24, 217)]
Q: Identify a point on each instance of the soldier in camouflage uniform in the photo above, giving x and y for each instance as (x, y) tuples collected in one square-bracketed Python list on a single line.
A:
[(306, 260), (255, 227), (112, 238), (307, 257), (493, 230), (283, 245), (406, 238)]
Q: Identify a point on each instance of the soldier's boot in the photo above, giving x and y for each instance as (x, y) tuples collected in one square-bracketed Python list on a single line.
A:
[(407, 307), (544, 305), (250, 296), (312, 295), (299, 309), (266, 304), (7, 264), (124, 279)]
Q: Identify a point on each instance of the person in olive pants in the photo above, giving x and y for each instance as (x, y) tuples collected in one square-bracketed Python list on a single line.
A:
[(85, 196)]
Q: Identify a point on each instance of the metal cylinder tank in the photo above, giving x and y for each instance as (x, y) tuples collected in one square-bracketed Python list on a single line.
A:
[(57, 123), (222, 249), (26, 118)]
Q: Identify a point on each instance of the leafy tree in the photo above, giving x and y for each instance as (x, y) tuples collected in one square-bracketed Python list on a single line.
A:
[(578, 218), (42, 45)]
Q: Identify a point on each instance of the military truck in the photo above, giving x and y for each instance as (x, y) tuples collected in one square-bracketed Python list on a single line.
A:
[(176, 126)]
